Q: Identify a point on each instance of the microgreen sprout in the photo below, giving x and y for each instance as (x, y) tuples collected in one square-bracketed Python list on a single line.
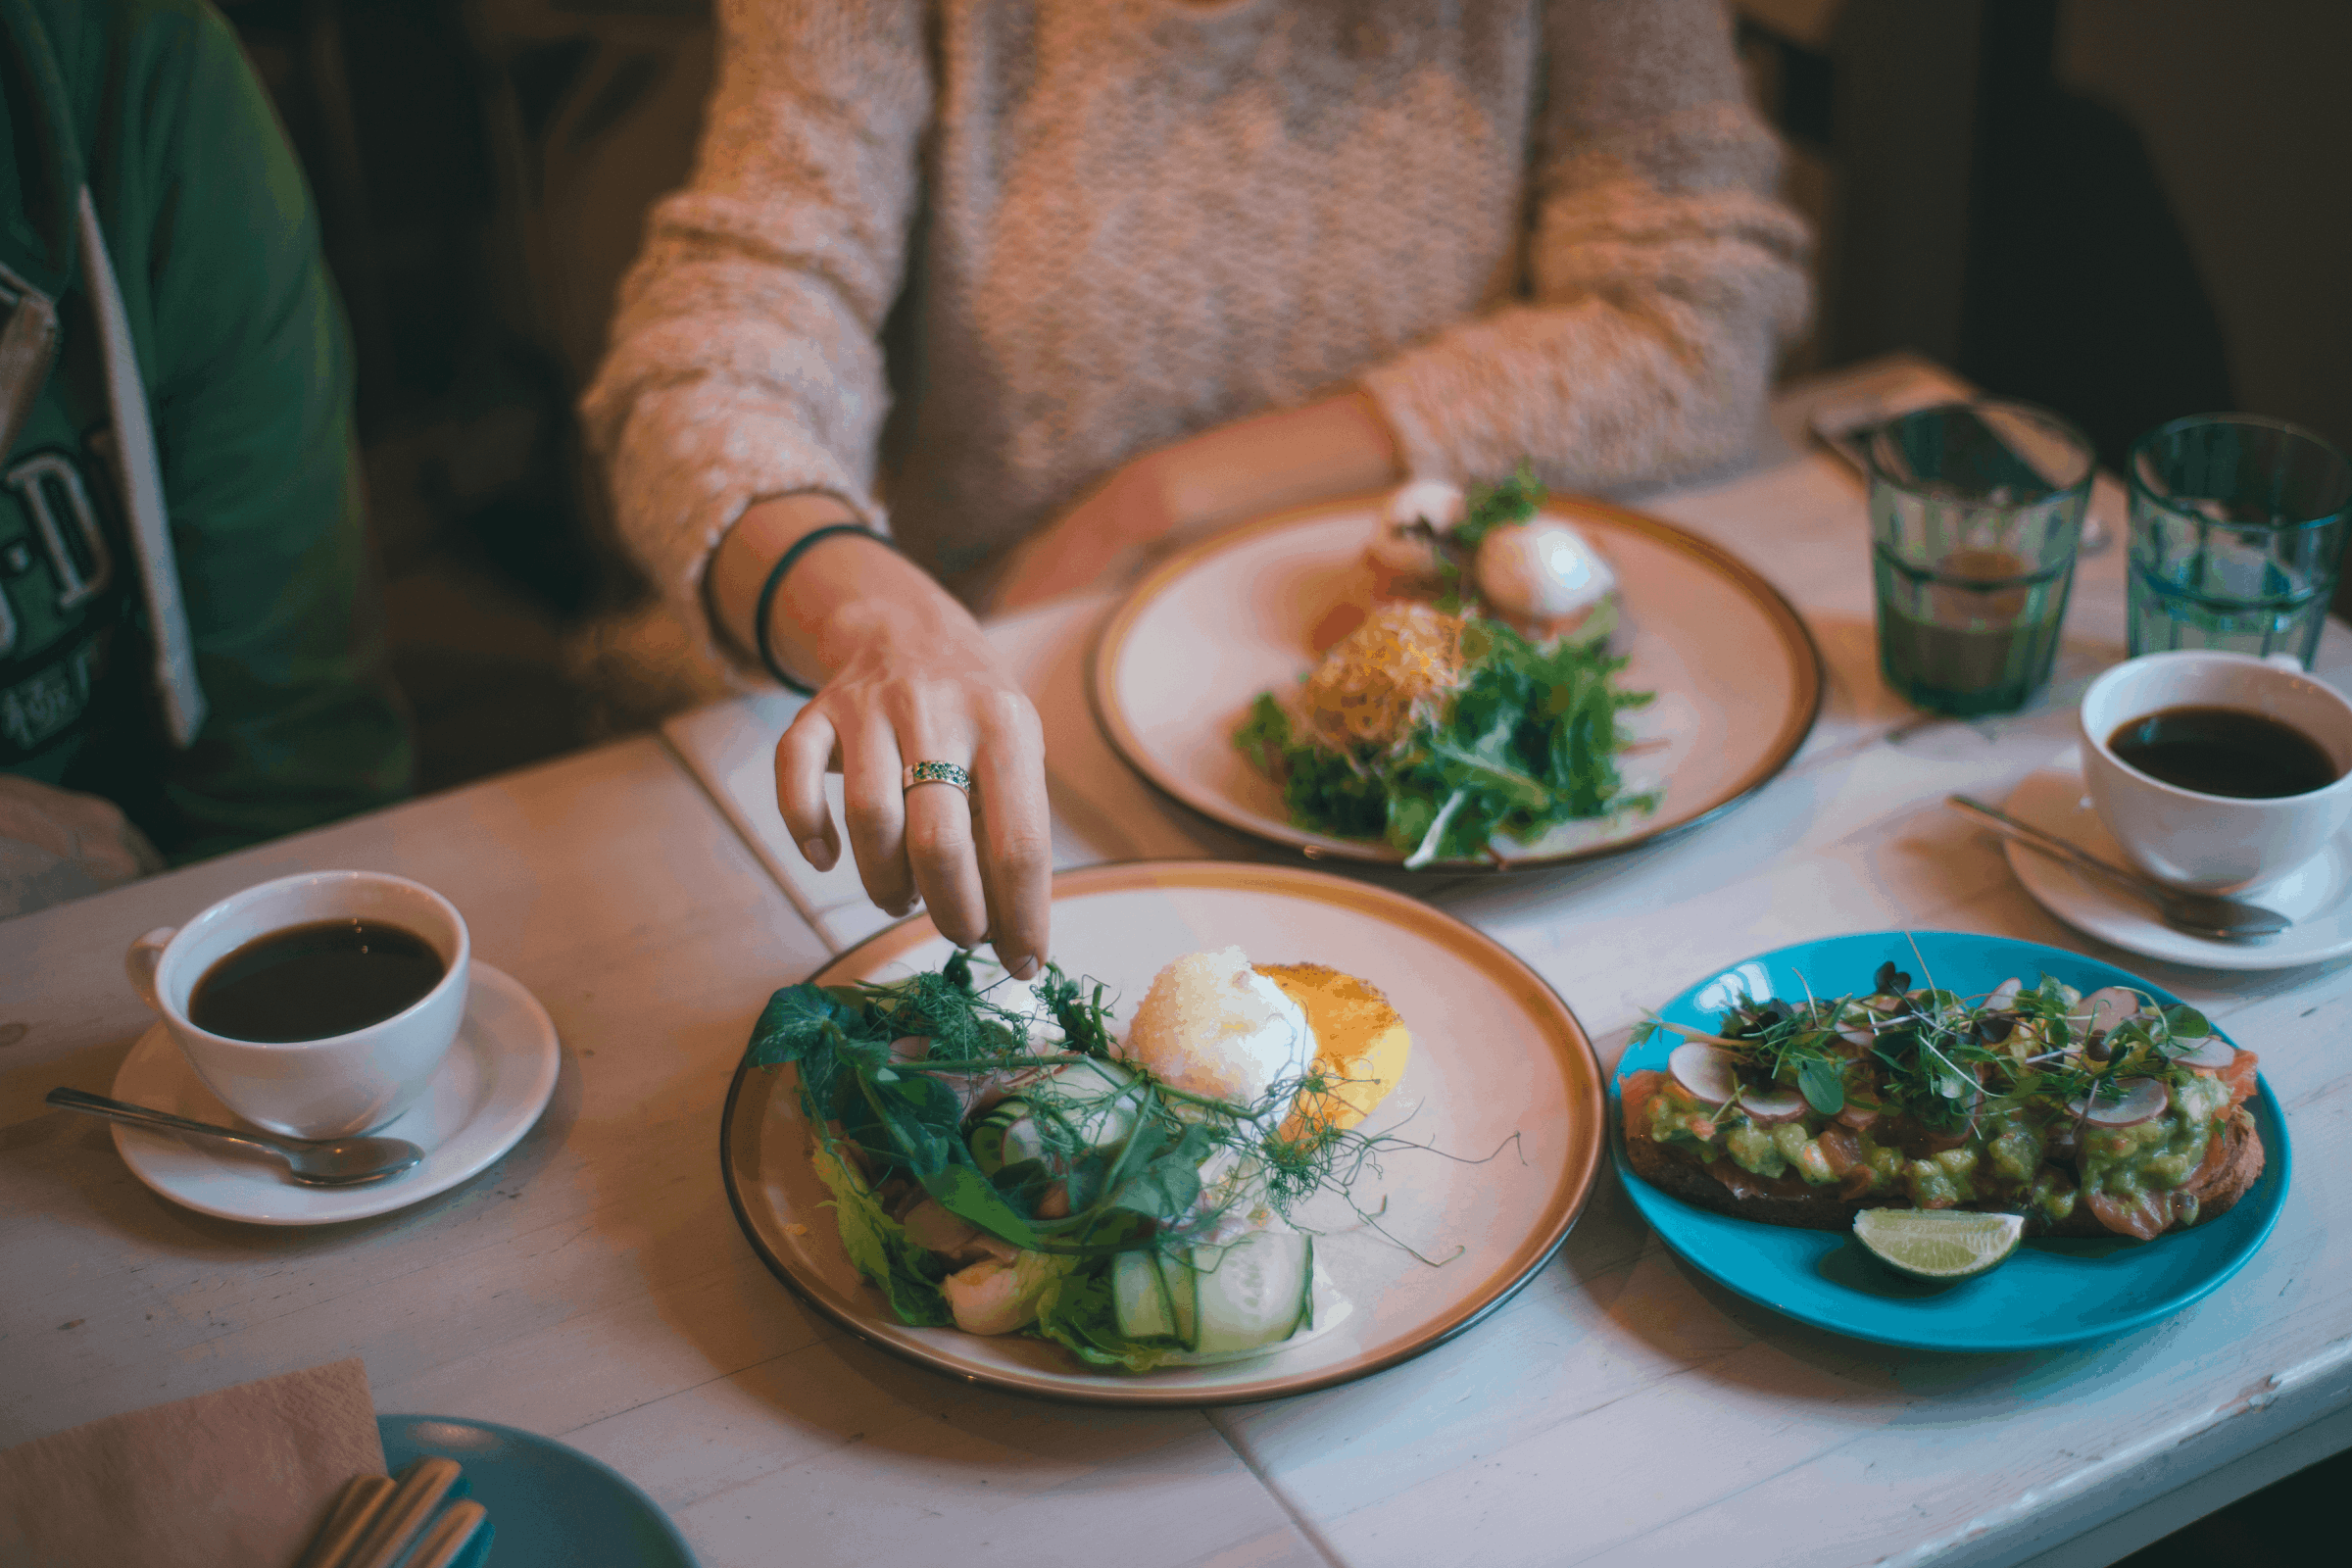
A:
[(1944, 1059)]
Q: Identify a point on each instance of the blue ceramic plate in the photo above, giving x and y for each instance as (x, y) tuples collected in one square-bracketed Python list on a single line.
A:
[(2052, 1292), (549, 1506)]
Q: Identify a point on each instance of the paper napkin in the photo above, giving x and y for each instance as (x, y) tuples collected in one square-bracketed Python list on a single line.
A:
[(240, 1476)]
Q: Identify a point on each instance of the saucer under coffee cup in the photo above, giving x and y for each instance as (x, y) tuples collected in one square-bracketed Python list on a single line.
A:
[(317, 1006), (2222, 742)]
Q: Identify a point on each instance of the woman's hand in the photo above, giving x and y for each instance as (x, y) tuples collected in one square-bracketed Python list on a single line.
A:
[(1220, 476), (1109, 527), (906, 677)]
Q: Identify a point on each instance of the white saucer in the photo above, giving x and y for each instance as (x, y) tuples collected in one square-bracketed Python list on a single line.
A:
[(2314, 897), (489, 1090)]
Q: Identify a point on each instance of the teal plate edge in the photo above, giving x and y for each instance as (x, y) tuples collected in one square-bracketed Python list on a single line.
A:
[(550, 1505), (2052, 1292)]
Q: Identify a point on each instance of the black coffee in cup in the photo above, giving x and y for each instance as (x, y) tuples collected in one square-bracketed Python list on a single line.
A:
[(315, 981), (2224, 750)]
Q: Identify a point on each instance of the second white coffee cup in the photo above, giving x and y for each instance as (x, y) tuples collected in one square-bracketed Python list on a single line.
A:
[(2215, 843), (326, 1088)]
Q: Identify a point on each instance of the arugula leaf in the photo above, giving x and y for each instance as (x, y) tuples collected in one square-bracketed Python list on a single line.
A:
[(1265, 737)]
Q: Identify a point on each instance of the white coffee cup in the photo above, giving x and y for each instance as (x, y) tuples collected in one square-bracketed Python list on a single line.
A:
[(2215, 843), (326, 1088)]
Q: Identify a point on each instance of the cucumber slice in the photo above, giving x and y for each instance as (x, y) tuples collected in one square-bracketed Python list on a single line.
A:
[(996, 1143), (1140, 1299), (1085, 1103), (1255, 1292), (1181, 1283), (1089, 1100)]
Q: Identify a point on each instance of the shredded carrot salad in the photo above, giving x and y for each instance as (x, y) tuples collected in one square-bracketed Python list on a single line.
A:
[(1388, 677)]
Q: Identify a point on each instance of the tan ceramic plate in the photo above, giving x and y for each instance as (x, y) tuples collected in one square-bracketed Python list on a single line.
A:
[(1499, 1067), (1737, 678)]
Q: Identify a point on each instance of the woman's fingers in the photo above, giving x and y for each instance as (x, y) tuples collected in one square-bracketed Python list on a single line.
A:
[(877, 818), (1016, 856), (982, 863), (803, 755), (939, 851)]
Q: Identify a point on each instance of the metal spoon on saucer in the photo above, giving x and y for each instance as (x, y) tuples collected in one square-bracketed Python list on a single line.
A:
[(2200, 914), (319, 1163)]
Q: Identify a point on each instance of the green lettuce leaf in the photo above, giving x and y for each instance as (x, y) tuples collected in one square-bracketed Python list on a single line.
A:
[(1076, 1313), (878, 1247)]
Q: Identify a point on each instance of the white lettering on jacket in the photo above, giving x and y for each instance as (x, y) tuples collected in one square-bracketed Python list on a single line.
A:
[(41, 479)]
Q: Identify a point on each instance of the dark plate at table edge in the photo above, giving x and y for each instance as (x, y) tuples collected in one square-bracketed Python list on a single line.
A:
[(1132, 1390), (589, 1461), (1795, 634), (2271, 1120)]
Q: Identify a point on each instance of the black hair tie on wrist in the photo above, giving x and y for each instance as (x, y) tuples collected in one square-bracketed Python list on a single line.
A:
[(776, 579)]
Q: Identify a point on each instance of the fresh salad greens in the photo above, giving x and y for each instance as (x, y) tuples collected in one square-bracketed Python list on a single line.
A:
[(1945, 1061), (1067, 1164), (1518, 738)]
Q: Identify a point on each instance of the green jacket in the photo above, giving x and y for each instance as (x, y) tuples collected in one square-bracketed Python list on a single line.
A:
[(211, 659)]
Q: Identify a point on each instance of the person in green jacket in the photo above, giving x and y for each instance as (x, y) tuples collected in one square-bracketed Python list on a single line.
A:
[(187, 625)]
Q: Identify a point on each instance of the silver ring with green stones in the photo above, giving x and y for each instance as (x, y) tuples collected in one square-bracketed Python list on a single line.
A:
[(934, 773)]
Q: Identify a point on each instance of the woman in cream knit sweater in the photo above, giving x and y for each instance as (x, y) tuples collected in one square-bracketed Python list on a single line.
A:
[(1044, 281)]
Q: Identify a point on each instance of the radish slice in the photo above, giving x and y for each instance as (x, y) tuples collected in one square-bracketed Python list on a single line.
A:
[(2211, 1051), (2145, 1099), (2003, 994), (1857, 1037), (2108, 1007), (1770, 1106), (1705, 1070)]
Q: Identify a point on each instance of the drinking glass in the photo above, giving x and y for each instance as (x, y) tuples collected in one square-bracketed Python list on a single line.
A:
[(2237, 531), (1976, 510)]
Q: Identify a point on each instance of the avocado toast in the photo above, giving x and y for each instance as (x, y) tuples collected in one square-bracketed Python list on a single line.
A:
[(2106, 1114)]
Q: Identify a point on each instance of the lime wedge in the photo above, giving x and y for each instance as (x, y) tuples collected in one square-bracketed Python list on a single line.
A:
[(1939, 1243)]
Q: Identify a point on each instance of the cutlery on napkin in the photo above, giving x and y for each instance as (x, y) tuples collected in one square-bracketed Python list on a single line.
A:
[(243, 1475)]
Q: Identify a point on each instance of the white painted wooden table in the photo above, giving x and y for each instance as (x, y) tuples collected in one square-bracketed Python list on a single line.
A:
[(592, 1285), (1622, 1410)]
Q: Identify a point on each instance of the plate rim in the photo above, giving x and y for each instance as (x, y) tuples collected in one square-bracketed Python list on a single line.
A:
[(1111, 641), (390, 1197), (509, 1432), (2277, 1173), (1581, 1172)]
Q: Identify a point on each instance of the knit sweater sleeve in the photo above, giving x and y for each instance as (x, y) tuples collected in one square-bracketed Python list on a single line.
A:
[(1660, 275), (745, 359)]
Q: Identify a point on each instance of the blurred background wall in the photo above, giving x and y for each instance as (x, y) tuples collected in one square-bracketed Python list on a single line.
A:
[(2129, 210)]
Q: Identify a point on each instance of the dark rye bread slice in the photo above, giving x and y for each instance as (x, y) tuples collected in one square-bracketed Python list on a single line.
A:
[(1723, 1188), (1782, 1201)]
